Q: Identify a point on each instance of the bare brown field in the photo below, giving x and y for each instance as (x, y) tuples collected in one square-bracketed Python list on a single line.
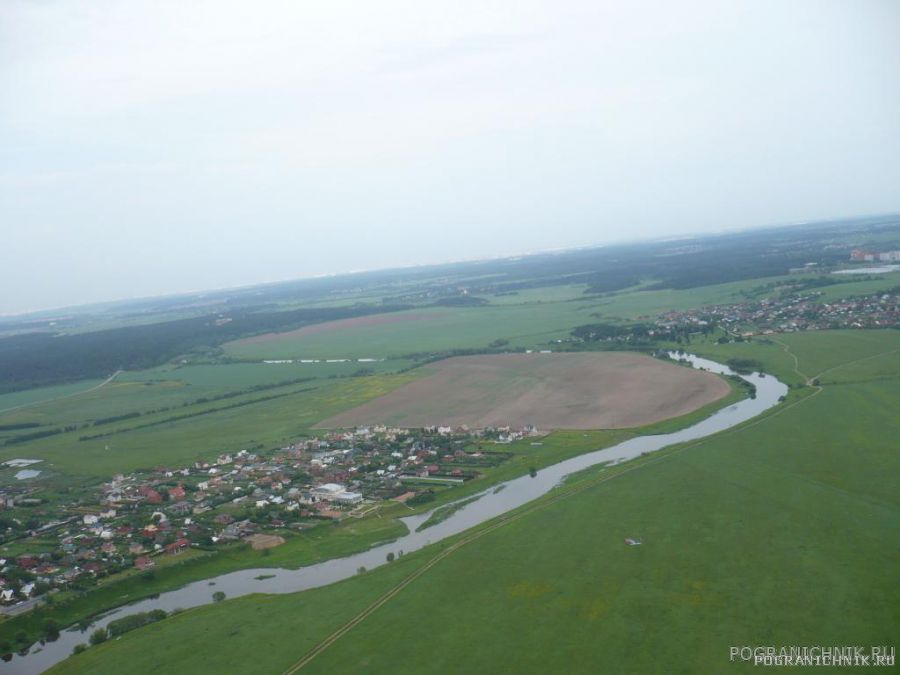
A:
[(335, 326), (585, 390), (262, 541)]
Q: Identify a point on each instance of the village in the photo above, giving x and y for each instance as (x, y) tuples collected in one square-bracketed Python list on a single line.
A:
[(251, 497), (803, 311)]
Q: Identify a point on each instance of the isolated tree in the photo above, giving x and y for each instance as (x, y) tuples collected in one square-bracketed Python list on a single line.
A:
[(390, 556), (51, 629), (218, 596)]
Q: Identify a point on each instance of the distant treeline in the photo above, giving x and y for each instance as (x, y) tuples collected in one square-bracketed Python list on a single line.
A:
[(34, 435), (40, 359), (635, 333), (744, 366), (462, 301), (19, 425), (687, 263)]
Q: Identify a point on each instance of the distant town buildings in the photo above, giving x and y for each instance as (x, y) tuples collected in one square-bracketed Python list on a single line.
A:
[(802, 311), (860, 255)]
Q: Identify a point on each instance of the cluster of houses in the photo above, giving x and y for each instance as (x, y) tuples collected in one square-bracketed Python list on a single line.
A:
[(804, 311), (134, 520), (861, 255)]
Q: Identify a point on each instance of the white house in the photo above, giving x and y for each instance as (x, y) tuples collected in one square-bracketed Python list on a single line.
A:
[(348, 498), (333, 492), (327, 490)]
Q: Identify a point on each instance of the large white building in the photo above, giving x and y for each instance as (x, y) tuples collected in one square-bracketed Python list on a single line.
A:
[(333, 492)]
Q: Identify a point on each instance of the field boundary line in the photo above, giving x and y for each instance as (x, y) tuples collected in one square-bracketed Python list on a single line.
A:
[(809, 379), (59, 398), (850, 363), (787, 350)]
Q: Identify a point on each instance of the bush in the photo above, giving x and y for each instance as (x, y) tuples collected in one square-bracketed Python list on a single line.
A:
[(421, 498), (51, 629), (127, 623), (218, 596), (80, 647), (390, 557), (98, 636), (744, 366)]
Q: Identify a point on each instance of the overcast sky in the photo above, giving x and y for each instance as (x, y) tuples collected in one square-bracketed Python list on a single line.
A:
[(149, 147)]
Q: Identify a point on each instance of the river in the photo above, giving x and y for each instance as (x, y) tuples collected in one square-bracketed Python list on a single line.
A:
[(490, 503)]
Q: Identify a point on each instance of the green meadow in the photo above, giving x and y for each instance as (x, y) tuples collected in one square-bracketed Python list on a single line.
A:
[(781, 531), (29, 397), (878, 283), (824, 352), (172, 387), (439, 329), (265, 418), (238, 376)]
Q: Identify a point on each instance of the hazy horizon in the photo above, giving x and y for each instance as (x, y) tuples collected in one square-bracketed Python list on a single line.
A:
[(153, 148), (437, 263)]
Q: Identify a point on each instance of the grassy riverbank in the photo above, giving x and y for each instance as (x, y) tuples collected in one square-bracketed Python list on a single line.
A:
[(781, 531), (329, 541)]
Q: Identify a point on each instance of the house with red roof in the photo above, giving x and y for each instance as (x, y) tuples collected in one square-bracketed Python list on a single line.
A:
[(144, 563), (178, 546)]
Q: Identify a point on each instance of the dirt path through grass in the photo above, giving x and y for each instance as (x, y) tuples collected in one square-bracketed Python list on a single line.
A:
[(59, 398)]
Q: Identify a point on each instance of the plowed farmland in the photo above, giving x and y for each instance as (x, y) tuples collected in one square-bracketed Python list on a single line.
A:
[(598, 390)]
